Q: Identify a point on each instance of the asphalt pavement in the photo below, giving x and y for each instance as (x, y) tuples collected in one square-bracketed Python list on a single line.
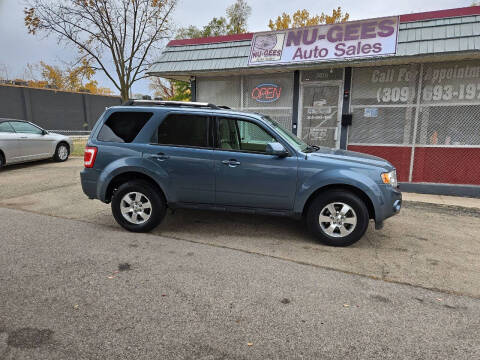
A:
[(77, 290), (427, 245)]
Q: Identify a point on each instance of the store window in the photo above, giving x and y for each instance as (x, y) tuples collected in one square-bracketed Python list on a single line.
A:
[(271, 95), (219, 91), (383, 104), (450, 104)]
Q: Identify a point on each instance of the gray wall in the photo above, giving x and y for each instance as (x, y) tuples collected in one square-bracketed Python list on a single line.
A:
[(53, 110)]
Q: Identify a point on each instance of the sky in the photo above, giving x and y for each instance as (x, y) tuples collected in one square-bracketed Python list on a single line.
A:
[(18, 48)]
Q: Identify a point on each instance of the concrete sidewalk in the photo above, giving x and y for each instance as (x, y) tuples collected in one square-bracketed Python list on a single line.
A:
[(466, 202)]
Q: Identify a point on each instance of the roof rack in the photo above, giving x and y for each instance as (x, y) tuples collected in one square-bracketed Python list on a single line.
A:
[(173, 103)]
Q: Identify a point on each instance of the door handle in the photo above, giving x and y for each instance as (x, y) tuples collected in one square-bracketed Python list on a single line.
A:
[(23, 137), (161, 157), (231, 162)]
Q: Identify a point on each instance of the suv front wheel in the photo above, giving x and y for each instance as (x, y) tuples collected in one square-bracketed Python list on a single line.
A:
[(338, 218), (137, 206)]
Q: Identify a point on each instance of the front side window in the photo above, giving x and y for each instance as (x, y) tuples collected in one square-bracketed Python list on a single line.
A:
[(184, 130), (123, 126), (292, 139), (242, 135), (5, 127), (25, 128)]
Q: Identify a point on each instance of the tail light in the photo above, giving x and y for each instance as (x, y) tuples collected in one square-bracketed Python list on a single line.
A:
[(89, 156)]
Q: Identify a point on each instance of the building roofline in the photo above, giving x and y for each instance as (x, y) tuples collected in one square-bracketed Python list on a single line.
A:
[(440, 14), (405, 18), (212, 39)]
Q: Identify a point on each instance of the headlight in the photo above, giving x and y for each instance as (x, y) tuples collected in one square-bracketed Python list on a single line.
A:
[(390, 178)]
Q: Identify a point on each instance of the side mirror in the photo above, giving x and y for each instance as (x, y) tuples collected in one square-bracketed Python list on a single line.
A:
[(275, 148), (44, 132)]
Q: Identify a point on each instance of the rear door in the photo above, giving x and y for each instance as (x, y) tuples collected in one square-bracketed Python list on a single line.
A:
[(245, 175), (182, 146), (9, 143)]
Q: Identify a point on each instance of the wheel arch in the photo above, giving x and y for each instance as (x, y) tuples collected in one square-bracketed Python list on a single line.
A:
[(345, 187), (62, 142), (126, 176)]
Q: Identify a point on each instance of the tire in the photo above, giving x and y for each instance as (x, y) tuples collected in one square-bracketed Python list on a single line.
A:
[(2, 160), (62, 152), (349, 222), (130, 215)]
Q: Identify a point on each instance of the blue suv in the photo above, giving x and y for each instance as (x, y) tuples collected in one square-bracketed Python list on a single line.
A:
[(145, 156)]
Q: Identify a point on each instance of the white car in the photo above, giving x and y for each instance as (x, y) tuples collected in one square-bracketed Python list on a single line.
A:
[(22, 141)]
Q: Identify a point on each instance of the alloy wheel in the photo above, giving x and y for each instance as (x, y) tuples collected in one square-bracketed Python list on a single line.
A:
[(62, 152), (337, 219), (136, 208)]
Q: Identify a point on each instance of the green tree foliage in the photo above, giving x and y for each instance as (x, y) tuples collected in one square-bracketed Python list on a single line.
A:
[(237, 15), (235, 22)]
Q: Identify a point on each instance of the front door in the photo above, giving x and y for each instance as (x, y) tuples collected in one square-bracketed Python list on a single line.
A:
[(245, 176), (33, 142), (181, 148), (321, 114)]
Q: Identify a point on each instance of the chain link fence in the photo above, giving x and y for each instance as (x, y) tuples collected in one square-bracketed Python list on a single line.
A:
[(79, 138)]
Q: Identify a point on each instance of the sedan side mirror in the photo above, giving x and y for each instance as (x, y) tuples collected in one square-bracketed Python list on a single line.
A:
[(275, 148), (44, 132)]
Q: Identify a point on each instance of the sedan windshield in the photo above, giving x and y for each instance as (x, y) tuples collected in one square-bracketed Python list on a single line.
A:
[(292, 139)]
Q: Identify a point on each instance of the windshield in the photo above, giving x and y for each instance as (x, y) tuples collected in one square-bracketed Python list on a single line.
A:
[(292, 139)]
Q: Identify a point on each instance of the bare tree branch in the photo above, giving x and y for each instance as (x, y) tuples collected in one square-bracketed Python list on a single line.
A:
[(121, 33)]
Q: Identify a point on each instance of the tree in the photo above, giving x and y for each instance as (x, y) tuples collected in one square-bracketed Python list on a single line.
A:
[(175, 90), (234, 23), (216, 27), (238, 14), (127, 30), (302, 18), (71, 78), (190, 32)]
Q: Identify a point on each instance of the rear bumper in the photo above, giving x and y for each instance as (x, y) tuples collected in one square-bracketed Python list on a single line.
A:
[(89, 180)]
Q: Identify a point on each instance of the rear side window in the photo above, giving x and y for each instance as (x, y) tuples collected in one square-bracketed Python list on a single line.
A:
[(5, 127), (184, 130), (123, 126)]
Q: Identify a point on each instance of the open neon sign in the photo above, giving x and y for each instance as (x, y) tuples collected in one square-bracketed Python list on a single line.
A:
[(266, 93)]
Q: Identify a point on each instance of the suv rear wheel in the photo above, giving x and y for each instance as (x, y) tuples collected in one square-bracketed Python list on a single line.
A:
[(137, 206), (338, 218)]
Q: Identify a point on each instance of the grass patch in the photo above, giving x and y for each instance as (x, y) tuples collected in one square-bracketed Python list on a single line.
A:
[(79, 146)]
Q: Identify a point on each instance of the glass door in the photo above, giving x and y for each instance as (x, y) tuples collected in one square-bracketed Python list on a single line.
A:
[(321, 114)]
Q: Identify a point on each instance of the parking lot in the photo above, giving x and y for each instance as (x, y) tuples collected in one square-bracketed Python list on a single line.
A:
[(430, 246)]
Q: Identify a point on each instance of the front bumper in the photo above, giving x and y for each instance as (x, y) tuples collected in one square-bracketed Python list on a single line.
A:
[(391, 205)]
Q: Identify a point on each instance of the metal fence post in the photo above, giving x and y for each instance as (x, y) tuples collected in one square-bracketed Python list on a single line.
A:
[(415, 124), (296, 98), (27, 104)]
